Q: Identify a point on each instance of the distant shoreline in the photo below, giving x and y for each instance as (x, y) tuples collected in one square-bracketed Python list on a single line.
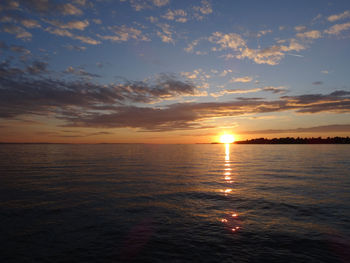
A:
[(298, 140), (285, 140)]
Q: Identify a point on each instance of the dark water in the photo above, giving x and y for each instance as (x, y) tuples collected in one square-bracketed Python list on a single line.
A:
[(174, 203)]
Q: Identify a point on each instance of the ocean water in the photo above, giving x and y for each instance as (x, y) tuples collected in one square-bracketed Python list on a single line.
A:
[(174, 203)]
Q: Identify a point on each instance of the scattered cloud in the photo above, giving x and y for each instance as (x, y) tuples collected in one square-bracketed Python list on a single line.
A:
[(76, 48), (337, 29), (97, 21), (37, 67), (313, 34), (264, 32), (177, 15), (80, 2), (234, 91), (87, 40), (202, 10), (225, 72), (300, 28), (50, 7), (76, 24), (225, 41), (139, 5), (190, 47), (124, 33), (67, 33), (242, 79), (160, 3), (14, 48), (69, 9), (16, 18), (316, 18), (166, 33), (276, 90), (81, 72), (340, 16), (16, 30), (30, 23), (271, 55)]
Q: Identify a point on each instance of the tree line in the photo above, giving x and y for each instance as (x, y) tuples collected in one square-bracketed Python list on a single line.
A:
[(298, 140)]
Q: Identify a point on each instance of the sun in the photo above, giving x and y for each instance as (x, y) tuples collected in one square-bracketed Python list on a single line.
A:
[(227, 138)]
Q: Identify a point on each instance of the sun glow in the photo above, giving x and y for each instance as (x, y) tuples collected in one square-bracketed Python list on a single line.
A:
[(227, 138)]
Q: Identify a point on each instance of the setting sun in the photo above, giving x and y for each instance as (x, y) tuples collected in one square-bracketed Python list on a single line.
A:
[(227, 138)]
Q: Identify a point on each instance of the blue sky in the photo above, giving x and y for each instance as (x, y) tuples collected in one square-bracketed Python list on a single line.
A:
[(173, 71)]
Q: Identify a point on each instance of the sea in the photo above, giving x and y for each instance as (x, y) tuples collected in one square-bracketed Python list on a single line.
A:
[(174, 203)]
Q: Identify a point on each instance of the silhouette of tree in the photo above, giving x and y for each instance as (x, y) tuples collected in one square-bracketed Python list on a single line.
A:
[(298, 140)]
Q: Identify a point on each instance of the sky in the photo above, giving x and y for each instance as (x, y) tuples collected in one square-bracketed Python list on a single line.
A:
[(173, 71)]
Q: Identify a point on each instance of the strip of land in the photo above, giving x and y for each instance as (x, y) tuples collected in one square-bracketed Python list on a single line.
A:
[(298, 140)]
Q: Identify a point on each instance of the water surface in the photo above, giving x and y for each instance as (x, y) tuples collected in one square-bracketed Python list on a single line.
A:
[(174, 203)]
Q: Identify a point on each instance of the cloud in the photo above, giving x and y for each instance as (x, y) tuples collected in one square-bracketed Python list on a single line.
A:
[(313, 34), (276, 90), (11, 18), (263, 32), (160, 3), (15, 48), (67, 33), (317, 83), (59, 32), (300, 28), (69, 9), (190, 47), (337, 101), (37, 67), (23, 93), (166, 33), (87, 40), (182, 116), (197, 74), (225, 41), (190, 75), (80, 103), (30, 23), (234, 91), (242, 79), (124, 33), (315, 129), (324, 71), (202, 10), (97, 21), (81, 72), (51, 7), (337, 29), (76, 48), (80, 2), (271, 55), (340, 16), (16, 30), (78, 25), (177, 15), (139, 5), (225, 72)]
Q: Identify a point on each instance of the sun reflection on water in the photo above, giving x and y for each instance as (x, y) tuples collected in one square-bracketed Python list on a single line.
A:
[(231, 219)]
